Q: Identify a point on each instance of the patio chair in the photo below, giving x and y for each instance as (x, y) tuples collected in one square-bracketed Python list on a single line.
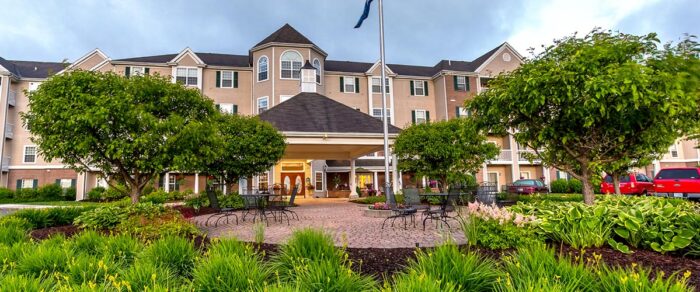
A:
[(404, 213), (220, 212), (447, 205), (282, 207), (411, 198)]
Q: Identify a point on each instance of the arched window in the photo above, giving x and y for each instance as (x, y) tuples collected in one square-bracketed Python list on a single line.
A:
[(317, 65), (291, 64), (262, 68)]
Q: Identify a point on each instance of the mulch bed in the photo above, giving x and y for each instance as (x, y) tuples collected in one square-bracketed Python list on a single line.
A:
[(381, 263)]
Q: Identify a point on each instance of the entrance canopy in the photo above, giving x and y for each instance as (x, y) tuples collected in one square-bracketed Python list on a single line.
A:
[(317, 127)]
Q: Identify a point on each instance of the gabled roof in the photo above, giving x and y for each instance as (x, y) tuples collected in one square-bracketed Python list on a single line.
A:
[(321, 115), (285, 34), (212, 59), (31, 69)]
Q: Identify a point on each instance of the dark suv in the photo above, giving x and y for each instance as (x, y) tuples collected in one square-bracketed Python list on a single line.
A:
[(528, 186), (682, 182)]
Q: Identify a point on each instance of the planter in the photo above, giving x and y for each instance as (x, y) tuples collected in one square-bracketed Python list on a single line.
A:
[(339, 194), (377, 213)]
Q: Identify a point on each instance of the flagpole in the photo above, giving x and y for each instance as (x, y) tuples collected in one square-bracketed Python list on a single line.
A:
[(385, 117)]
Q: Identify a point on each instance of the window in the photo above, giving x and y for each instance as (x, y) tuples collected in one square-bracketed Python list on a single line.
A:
[(226, 80), (263, 181), (262, 104), (228, 108), (319, 181), (348, 84), (33, 86), (317, 65), (463, 112), (29, 154), (485, 81), (377, 113), (135, 71), (562, 175), (173, 185), (461, 83), (262, 68), (65, 183), (186, 76), (420, 116), (291, 64), (674, 150), (27, 183), (376, 85), (524, 175), (418, 87)]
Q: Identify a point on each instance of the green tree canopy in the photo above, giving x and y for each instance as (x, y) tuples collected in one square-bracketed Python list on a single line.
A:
[(585, 102), (130, 129), (250, 146), (446, 150)]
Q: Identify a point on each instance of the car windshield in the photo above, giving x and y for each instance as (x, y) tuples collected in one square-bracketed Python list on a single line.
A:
[(677, 174), (525, 182), (623, 179)]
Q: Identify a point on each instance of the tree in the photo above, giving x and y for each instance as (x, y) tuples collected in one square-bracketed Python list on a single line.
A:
[(130, 129), (446, 150), (250, 146), (586, 102)]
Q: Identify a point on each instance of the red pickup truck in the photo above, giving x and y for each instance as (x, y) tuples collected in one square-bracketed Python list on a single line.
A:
[(633, 183), (682, 182)]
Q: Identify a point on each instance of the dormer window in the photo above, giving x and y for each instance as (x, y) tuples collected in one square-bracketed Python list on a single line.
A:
[(291, 64)]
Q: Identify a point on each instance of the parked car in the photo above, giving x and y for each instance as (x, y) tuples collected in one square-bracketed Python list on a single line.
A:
[(681, 182), (631, 184), (528, 186)]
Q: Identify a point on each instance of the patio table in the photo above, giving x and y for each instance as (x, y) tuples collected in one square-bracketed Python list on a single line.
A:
[(260, 206)]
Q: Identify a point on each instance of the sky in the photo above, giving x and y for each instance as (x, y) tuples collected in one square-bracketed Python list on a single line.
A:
[(416, 32)]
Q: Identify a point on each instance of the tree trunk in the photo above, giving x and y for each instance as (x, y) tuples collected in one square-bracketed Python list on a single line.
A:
[(135, 194), (616, 183), (588, 195)]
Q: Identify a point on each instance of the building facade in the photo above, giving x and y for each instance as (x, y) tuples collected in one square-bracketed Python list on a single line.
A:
[(269, 75)]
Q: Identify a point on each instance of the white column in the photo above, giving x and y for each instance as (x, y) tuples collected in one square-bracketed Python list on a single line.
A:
[(484, 173), (657, 166), (547, 180), (166, 182), (394, 173), (353, 184), (80, 187), (376, 182), (515, 158), (196, 182)]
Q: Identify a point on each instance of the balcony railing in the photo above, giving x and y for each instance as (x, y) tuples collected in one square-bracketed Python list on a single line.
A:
[(6, 164), (12, 98), (523, 156), (9, 131), (505, 155)]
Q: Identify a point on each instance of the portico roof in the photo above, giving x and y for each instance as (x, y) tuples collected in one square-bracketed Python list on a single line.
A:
[(317, 127)]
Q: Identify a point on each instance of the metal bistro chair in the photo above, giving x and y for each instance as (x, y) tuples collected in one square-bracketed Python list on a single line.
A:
[(282, 207), (447, 205), (411, 198), (220, 212), (486, 193), (251, 203)]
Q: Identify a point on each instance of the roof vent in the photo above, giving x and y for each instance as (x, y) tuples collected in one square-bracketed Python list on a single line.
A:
[(449, 62), (308, 78), (35, 68)]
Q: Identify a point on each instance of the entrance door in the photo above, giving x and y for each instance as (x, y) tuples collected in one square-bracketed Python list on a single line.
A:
[(493, 178), (291, 180)]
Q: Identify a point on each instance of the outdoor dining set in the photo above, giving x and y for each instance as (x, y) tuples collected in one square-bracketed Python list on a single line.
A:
[(257, 205)]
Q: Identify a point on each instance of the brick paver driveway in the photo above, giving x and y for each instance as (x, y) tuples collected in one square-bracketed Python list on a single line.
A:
[(346, 222)]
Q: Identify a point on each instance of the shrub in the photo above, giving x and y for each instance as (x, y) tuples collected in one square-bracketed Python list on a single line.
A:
[(6, 193), (156, 197), (377, 199), (85, 268), (636, 278), (167, 224), (146, 275), (329, 275), (10, 235), (102, 218), (96, 194), (412, 281), (498, 228), (575, 186), (176, 254), (122, 249), (230, 272), (304, 246), (559, 186), (16, 222), (47, 258), (115, 193), (50, 191), (26, 194), (89, 242), (69, 194), (24, 283), (452, 268), (50, 217), (224, 247)]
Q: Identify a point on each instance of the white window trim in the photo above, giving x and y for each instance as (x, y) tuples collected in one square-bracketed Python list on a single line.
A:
[(323, 185), (425, 116), (221, 78), (388, 85), (302, 65), (673, 148), (257, 104), (257, 77), (258, 180), (63, 180), (284, 98), (320, 71), (345, 83), (24, 154), (415, 87), (225, 107), (464, 88), (31, 184), (388, 113), (199, 75), (525, 177), (143, 71)]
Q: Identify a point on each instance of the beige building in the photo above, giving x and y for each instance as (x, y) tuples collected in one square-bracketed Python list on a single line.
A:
[(267, 77)]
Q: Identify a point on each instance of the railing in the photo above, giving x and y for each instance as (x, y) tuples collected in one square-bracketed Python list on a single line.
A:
[(9, 131), (505, 155), (523, 155), (12, 98), (6, 164)]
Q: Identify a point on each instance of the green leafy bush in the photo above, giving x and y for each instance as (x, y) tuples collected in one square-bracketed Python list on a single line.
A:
[(174, 253), (230, 271), (89, 242), (303, 246), (328, 275), (44, 260), (498, 228), (575, 186), (559, 186), (10, 235), (107, 217), (86, 268), (376, 199), (156, 197), (69, 194), (96, 194), (122, 249), (167, 224), (413, 281), (26, 194), (24, 283), (6, 193), (50, 217), (50, 191), (145, 276)]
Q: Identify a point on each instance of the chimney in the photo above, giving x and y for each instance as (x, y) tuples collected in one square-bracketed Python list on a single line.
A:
[(308, 78)]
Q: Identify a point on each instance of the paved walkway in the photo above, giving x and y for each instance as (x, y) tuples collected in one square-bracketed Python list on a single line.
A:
[(346, 222)]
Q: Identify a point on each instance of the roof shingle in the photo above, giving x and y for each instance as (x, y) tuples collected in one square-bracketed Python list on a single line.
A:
[(32, 69), (285, 34)]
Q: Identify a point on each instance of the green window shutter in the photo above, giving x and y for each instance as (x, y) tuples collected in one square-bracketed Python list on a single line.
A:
[(58, 182), (73, 183), (218, 79), (454, 79), (342, 84), (177, 184), (457, 111), (147, 70), (235, 108), (427, 116), (413, 117), (413, 90), (19, 184), (466, 81), (35, 185), (357, 85), (235, 79), (127, 71), (425, 87)]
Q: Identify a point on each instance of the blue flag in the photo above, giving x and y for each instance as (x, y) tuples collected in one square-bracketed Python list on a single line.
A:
[(365, 13)]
